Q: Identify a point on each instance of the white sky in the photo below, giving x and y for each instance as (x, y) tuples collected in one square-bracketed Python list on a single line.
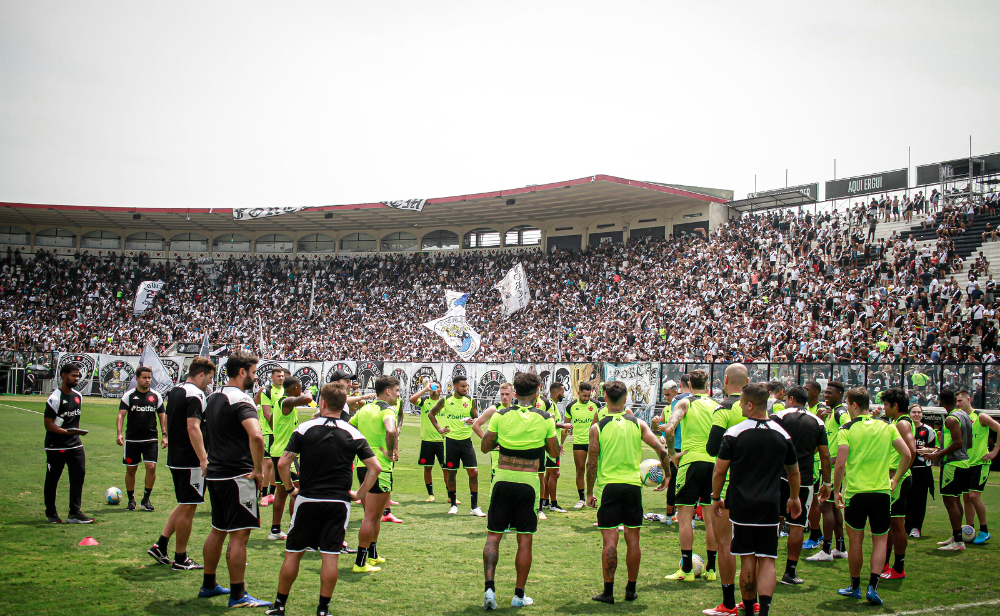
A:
[(200, 104)]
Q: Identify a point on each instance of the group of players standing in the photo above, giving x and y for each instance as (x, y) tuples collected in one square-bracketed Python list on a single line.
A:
[(755, 459)]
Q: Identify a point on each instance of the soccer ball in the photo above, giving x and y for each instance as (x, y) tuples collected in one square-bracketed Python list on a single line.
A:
[(697, 565), (650, 472), (968, 533), (113, 495)]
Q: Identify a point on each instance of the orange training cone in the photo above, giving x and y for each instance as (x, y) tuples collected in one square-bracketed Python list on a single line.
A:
[(88, 541)]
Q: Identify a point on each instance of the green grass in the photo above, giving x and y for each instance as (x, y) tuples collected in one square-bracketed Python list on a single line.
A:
[(434, 566)]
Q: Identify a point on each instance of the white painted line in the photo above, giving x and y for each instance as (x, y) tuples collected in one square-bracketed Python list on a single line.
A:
[(948, 608), (20, 409)]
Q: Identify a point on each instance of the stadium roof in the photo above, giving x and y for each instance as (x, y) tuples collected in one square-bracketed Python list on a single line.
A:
[(583, 197), (773, 199)]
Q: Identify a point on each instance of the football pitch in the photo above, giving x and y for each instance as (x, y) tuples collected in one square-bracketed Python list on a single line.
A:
[(434, 560)]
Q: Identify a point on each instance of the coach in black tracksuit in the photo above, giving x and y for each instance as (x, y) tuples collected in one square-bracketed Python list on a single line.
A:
[(63, 447)]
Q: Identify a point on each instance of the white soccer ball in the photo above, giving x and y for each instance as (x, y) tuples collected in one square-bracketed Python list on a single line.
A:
[(113, 495), (650, 473), (697, 565), (968, 533)]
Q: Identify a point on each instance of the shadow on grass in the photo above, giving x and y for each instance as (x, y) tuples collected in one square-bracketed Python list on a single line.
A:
[(145, 574), (189, 606), (846, 606)]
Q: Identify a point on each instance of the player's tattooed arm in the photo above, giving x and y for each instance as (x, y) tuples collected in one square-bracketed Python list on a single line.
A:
[(675, 417), (593, 452), (490, 442)]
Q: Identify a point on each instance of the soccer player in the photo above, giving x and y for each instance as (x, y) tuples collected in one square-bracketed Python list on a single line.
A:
[(808, 435), (923, 477), (675, 393), (815, 540), (235, 459), (268, 398), (63, 447), (864, 448), (524, 434), (327, 447), (980, 458), (140, 407), (726, 415), (834, 416), (580, 413), (613, 466), (459, 413), (777, 397), (431, 443), (355, 399), (284, 420), (751, 459), (550, 478), (187, 461), (693, 483), (894, 401), (377, 422), (956, 436), (506, 402)]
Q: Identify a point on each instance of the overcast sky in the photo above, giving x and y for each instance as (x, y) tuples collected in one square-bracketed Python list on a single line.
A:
[(200, 104)]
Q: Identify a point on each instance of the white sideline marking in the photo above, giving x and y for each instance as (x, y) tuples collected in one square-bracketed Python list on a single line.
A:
[(948, 608), (20, 409)]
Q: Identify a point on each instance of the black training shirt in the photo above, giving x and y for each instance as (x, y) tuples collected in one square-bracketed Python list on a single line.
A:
[(141, 410), (807, 432), (326, 448), (64, 409), (757, 450), (228, 443), (184, 401)]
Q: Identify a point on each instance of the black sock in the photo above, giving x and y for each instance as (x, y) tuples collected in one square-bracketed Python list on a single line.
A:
[(888, 554), (582, 496), (856, 582), (899, 564), (452, 497), (827, 545), (729, 596), (131, 495), (519, 593), (362, 555), (475, 499), (180, 557), (324, 604), (270, 490), (280, 600), (609, 589), (710, 565), (543, 502), (873, 580), (815, 534), (840, 545), (491, 585), (983, 528), (209, 582), (554, 505), (765, 605), (629, 588), (162, 543), (276, 528), (387, 511), (372, 552), (145, 494), (686, 564), (790, 566), (263, 492), (237, 591), (430, 489), (957, 535)]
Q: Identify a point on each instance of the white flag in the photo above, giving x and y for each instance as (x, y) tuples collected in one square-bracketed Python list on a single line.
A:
[(145, 295), (455, 298), (253, 213), (413, 205), (456, 332), (162, 381), (513, 289), (206, 348)]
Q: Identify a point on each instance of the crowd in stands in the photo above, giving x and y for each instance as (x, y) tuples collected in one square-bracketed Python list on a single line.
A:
[(785, 286)]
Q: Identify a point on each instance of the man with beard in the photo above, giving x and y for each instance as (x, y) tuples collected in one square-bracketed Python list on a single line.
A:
[(137, 415), (834, 416), (459, 412), (63, 448), (431, 443), (580, 413)]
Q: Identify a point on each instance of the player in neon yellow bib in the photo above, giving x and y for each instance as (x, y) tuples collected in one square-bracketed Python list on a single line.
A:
[(459, 412), (580, 413), (833, 517), (895, 400), (980, 459), (284, 420), (506, 402), (431, 442), (267, 401)]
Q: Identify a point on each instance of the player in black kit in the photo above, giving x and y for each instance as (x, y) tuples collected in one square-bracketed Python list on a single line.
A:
[(138, 410), (63, 447)]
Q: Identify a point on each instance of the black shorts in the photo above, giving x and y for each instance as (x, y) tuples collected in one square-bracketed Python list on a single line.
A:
[(978, 474), (870, 507), (761, 541), (955, 481), (137, 452), (512, 505), (459, 453), (293, 470), (899, 498), (584, 447), (694, 483), (805, 499), (234, 504), (383, 485), (620, 505), (318, 526), (189, 486), (550, 463), (429, 450)]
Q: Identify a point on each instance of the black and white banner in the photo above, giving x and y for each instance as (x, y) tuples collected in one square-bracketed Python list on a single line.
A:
[(163, 382), (115, 374), (146, 294), (867, 184), (412, 205), (643, 381), (808, 190), (456, 332), (253, 213), (514, 292)]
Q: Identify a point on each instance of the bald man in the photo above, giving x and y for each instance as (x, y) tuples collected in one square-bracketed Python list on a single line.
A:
[(728, 414)]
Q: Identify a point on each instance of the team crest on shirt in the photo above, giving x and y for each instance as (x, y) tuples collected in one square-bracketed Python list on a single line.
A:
[(76, 399), (86, 362), (115, 378), (151, 399)]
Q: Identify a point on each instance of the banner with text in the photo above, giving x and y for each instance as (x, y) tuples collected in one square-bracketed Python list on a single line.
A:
[(884, 181)]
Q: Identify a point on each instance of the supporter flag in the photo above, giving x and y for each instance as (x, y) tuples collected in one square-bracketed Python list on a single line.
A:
[(206, 348), (455, 298), (145, 295), (412, 205), (514, 291), (162, 381), (253, 213), (455, 331)]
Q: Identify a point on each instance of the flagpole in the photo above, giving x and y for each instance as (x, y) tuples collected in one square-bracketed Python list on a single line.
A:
[(559, 332)]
